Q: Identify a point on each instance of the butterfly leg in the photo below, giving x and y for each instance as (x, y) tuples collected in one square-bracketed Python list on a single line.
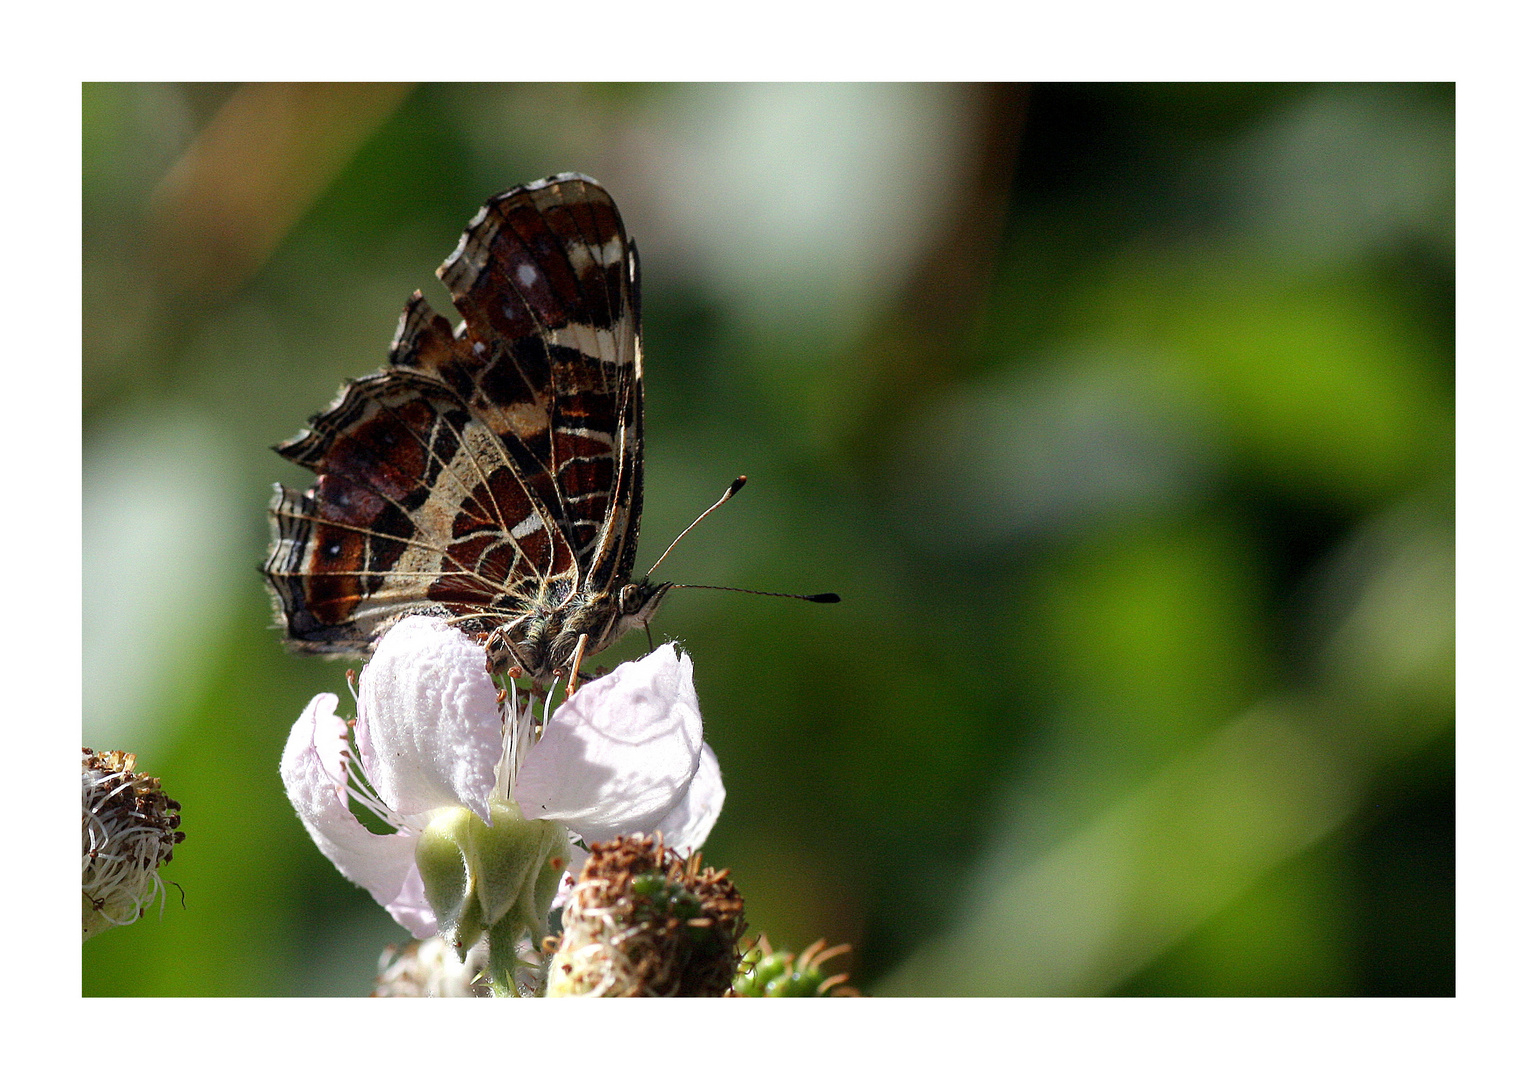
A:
[(576, 665), (500, 657)]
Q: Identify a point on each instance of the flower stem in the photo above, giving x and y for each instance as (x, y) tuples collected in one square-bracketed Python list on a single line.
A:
[(503, 938)]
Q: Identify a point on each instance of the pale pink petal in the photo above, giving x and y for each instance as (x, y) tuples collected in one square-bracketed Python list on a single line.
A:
[(429, 727), (687, 824), (576, 859), (379, 863), (569, 880), (621, 754), (410, 907), (327, 737)]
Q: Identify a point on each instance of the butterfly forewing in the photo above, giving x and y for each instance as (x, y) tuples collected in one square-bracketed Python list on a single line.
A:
[(493, 471)]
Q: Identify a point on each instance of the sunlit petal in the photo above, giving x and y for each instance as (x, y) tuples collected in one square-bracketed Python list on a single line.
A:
[(621, 754), (429, 727)]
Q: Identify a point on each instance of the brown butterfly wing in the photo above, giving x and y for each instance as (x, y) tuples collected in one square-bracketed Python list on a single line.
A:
[(489, 469)]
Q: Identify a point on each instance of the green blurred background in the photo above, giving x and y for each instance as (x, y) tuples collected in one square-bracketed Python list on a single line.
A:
[(1121, 416)]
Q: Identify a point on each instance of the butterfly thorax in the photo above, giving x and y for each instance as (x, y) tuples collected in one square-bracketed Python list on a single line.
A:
[(543, 642)]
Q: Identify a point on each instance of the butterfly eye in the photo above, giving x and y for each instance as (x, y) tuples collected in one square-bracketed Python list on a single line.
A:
[(629, 598)]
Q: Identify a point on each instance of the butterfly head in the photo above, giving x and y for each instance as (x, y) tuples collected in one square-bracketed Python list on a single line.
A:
[(637, 604)]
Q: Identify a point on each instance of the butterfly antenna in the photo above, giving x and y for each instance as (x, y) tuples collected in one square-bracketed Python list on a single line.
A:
[(736, 487), (816, 598)]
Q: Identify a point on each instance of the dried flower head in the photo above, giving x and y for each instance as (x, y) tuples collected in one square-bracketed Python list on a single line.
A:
[(643, 921), (429, 967), (128, 828)]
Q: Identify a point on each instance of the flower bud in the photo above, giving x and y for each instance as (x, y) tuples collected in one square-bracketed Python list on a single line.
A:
[(476, 875), (768, 973)]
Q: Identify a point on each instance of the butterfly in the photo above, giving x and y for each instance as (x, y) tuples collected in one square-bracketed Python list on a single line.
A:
[(491, 473)]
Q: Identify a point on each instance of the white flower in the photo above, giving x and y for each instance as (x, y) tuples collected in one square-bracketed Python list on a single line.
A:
[(624, 754)]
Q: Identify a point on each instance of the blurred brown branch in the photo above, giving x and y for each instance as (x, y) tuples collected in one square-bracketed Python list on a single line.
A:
[(252, 173)]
